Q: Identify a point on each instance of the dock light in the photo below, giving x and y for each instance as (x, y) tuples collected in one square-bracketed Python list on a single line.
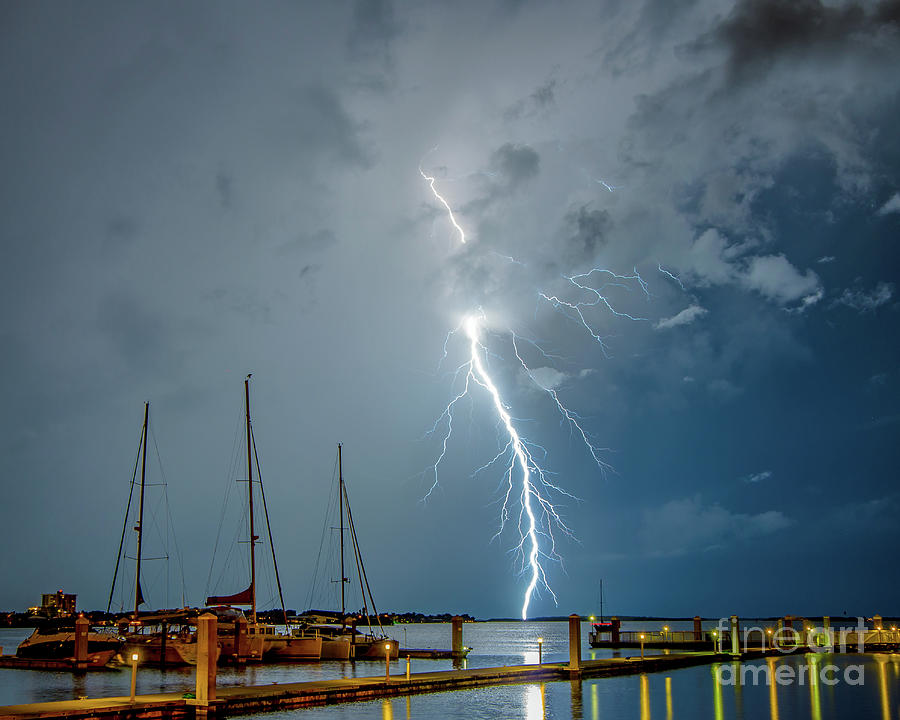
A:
[(642, 646), (134, 663), (540, 641), (387, 661), (666, 632), (715, 635)]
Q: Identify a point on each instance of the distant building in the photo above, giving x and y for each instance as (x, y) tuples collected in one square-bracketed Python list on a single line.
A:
[(58, 604)]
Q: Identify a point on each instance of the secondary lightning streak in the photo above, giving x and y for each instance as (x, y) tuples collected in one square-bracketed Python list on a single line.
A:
[(580, 282), (674, 277), (431, 180)]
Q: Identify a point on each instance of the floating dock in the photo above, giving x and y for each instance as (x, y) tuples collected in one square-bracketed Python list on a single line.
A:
[(279, 697)]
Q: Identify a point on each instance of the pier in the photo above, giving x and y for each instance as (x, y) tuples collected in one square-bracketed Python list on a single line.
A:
[(278, 697)]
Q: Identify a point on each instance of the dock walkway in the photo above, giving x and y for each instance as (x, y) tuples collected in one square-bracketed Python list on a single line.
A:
[(263, 698)]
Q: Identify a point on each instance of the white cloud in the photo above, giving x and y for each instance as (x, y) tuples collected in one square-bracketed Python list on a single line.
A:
[(758, 477), (891, 206), (707, 258), (866, 301), (687, 525), (775, 278), (826, 259), (685, 317)]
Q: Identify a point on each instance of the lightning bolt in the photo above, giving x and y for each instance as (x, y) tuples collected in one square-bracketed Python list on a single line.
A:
[(430, 179), (528, 490)]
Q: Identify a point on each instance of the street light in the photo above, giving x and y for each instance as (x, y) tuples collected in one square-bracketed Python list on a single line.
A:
[(134, 662), (768, 632), (715, 635), (666, 632), (387, 661), (540, 641), (642, 646)]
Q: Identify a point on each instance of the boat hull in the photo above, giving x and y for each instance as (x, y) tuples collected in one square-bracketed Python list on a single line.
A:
[(292, 649), (336, 648), (61, 646), (374, 648)]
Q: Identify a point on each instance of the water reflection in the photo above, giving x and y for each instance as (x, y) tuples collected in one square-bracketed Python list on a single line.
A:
[(668, 698), (773, 688), (595, 702), (387, 710), (645, 698), (883, 687), (738, 690), (535, 708), (815, 701), (576, 690), (718, 710)]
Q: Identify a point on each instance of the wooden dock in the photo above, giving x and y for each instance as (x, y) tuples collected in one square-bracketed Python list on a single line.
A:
[(278, 697)]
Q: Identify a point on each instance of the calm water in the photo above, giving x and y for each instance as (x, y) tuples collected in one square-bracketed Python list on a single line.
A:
[(685, 693)]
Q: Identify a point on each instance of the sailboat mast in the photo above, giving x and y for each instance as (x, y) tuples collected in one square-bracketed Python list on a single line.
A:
[(341, 501), (601, 600), (138, 599), (250, 491)]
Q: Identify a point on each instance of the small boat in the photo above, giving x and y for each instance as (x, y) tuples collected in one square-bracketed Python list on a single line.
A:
[(55, 640)]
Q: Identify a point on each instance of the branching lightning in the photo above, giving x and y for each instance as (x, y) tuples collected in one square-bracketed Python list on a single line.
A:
[(528, 490)]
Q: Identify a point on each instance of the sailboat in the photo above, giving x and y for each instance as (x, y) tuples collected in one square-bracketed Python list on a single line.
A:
[(165, 638), (341, 631), (262, 640)]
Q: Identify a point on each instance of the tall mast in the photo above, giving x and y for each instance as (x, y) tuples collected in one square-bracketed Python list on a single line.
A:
[(250, 490), (138, 596), (341, 501)]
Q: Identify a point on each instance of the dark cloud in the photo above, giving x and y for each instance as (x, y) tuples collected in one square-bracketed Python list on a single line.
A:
[(516, 164), (759, 33), (588, 232), (373, 28)]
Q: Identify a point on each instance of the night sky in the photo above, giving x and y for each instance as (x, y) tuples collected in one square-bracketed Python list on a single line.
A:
[(196, 191)]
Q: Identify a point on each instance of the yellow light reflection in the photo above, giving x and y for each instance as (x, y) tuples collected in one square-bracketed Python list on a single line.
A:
[(595, 702), (645, 698), (773, 689), (883, 687), (387, 711), (718, 711), (815, 703), (668, 698)]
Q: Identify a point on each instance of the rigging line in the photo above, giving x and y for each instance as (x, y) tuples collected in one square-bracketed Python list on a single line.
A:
[(262, 492), (170, 523), (229, 475), (361, 568), (315, 577), (125, 524)]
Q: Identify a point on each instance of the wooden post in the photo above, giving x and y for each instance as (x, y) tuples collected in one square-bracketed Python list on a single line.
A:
[(574, 644), (698, 629), (735, 637), (456, 633), (82, 627), (616, 627), (207, 641), (241, 641)]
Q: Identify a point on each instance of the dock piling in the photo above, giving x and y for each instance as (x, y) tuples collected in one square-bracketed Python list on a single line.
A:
[(207, 641), (574, 644), (456, 637), (698, 629), (82, 625), (735, 638)]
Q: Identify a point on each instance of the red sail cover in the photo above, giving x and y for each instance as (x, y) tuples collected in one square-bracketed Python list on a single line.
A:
[(241, 598)]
